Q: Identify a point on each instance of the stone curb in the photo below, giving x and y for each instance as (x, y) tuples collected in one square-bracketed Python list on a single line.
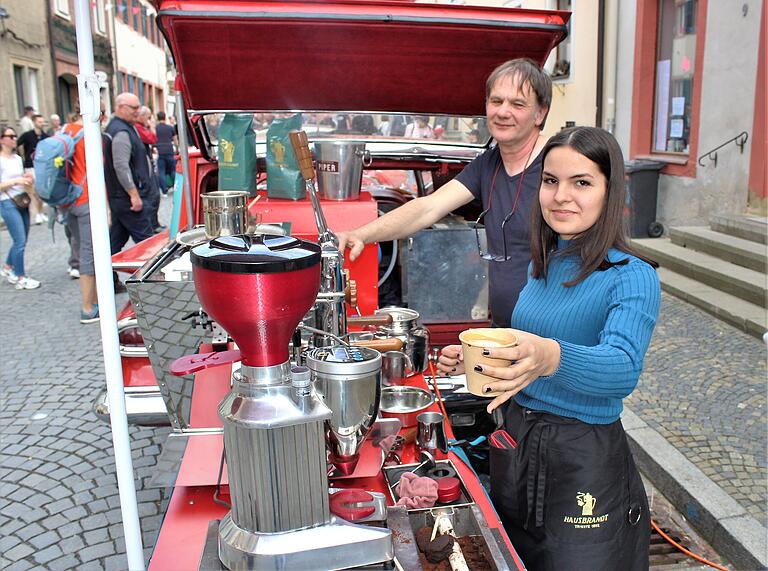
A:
[(720, 520)]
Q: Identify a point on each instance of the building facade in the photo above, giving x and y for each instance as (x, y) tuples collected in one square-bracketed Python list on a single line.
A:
[(142, 60), (63, 40), (681, 82), (26, 65), (691, 76)]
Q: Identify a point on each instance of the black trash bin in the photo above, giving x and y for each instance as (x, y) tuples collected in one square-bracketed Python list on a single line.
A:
[(642, 189)]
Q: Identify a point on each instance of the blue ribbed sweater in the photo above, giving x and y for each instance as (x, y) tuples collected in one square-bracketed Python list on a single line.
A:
[(603, 325)]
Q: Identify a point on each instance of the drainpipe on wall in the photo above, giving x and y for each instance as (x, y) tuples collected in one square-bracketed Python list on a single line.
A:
[(54, 71), (600, 61), (609, 64)]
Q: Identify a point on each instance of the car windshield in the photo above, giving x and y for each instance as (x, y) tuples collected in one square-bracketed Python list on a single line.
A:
[(437, 129)]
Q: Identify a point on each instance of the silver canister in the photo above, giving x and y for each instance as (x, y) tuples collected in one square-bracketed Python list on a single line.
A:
[(405, 327), (224, 213), (340, 168), (430, 432), (348, 381)]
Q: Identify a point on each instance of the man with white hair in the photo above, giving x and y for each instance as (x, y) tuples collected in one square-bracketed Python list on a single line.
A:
[(55, 122), (127, 175)]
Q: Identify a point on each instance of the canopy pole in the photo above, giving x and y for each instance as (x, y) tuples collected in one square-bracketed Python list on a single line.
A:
[(181, 126), (90, 110)]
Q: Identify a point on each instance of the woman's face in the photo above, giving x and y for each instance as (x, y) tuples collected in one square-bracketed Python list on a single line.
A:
[(8, 140), (573, 192)]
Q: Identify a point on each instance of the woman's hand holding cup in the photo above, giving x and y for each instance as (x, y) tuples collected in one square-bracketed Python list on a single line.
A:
[(531, 358)]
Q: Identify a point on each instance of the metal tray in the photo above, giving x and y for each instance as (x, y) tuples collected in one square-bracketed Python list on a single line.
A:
[(392, 476)]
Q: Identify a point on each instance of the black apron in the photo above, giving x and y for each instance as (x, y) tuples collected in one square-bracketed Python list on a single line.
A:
[(569, 494)]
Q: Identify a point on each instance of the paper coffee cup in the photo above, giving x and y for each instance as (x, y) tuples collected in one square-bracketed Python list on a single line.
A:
[(473, 341)]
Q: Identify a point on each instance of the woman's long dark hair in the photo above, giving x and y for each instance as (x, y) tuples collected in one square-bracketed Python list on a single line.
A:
[(592, 245)]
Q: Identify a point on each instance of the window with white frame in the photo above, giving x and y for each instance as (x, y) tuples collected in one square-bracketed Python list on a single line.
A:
[(62, 7), (26, 80), (559, 63), (99, 17)]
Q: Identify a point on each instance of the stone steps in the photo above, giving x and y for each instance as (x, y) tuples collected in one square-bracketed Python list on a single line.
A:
[(744, 283), (748, 227), (745, 253), (721, 269)]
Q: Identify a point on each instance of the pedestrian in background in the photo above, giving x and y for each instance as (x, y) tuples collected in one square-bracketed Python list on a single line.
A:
[(55, 122), (166, 154), (146, 129), (25, 122), (128, 177), (27, 143), (79, 223), (14, 183)]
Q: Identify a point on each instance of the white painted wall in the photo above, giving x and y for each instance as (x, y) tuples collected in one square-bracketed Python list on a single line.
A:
[(139, 56), (625, 61)]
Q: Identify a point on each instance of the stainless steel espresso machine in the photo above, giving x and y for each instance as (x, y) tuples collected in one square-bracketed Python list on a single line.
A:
[(258, 288)]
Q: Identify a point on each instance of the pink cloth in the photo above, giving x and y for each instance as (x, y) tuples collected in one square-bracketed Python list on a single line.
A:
[(416, 491)]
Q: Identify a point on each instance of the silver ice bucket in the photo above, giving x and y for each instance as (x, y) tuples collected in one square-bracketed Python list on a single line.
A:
[(340, 168)]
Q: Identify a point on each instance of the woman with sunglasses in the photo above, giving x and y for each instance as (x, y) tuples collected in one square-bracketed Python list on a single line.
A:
[(14, 182), (568, 491)]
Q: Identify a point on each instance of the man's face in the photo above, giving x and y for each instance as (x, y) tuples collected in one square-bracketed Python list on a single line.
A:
[(39, 123), (513, 113), (128, 110)]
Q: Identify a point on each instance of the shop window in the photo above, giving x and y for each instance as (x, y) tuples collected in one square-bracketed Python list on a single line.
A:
[(675, 64), (99, 17), (62, 8)]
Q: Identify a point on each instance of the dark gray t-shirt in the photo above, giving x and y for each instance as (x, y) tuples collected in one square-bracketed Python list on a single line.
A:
[(165, 134), (506, 279)]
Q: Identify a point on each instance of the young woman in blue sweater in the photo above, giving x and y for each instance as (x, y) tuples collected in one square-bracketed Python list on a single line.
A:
[(569, 493)]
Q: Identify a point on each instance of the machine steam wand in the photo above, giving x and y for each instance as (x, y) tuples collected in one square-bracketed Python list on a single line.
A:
[(329, 309)]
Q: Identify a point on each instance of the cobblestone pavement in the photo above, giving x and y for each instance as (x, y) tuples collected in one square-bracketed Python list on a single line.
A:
[(59, 506), (704, 390)]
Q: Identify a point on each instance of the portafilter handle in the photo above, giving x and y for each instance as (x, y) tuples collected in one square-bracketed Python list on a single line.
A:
[(300, 145)]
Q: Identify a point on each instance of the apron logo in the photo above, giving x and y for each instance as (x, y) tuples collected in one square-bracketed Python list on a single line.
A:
[(586, 520), (587, 502)]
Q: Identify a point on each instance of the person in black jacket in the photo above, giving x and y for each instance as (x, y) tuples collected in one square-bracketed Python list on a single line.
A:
[(127, 175)]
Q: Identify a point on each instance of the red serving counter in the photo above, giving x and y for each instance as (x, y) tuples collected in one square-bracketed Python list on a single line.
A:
[(182, 536)]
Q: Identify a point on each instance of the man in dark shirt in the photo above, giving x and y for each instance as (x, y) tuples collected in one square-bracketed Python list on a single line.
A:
[(505, 178), (127, 175), (166, 158), (28, 141)]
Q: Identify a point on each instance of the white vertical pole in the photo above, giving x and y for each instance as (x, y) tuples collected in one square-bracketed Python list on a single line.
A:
[(88, 85)]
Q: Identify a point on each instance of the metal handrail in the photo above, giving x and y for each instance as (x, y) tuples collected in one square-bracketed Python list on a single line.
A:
[(740, 140)]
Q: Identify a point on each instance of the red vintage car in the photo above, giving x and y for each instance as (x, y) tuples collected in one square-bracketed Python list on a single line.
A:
[(403, 80)]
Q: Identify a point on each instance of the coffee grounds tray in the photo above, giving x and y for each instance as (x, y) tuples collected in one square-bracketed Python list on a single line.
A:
[(484, 549), (442, 469)]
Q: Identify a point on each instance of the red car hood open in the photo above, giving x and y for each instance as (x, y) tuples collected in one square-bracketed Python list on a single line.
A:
[(383, 56)]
